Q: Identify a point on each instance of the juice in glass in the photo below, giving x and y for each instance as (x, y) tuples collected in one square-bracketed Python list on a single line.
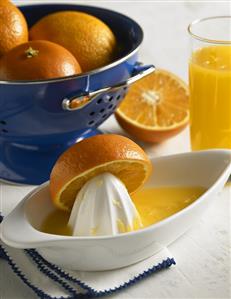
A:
[(210, 83), (210, 97)]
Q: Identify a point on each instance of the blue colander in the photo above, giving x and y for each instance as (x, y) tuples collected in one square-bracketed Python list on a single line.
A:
[(41, 119)]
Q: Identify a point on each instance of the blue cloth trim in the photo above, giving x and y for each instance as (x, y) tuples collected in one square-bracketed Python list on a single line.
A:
[(41, 262), (60, 277)]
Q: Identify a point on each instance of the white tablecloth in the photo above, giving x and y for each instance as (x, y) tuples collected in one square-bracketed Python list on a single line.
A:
[(202, 255)]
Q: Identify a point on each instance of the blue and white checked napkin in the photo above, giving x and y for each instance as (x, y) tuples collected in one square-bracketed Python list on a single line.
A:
[(48, 281)]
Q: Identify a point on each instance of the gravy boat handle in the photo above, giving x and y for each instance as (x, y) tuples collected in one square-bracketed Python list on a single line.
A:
[(16, 230)]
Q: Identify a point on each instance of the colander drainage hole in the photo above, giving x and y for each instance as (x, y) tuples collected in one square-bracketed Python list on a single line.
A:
[(110, 99), (92, 113), (4, 131), (110, 106), (99, 101), (91, 123), (102, 110), (117, 98), (2, 122), (104, 115)]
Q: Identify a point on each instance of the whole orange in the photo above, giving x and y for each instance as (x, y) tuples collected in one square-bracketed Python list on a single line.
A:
[(89, 39), (36, 60), (13, 27)]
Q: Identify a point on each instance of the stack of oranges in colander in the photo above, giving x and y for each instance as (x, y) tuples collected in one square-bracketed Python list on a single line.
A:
[(60, 44), (66, 43)]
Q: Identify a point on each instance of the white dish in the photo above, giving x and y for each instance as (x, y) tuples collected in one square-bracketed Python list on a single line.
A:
[(209, 169)]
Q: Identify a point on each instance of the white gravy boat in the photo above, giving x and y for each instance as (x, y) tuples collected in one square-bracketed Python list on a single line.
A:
[(209, 169)]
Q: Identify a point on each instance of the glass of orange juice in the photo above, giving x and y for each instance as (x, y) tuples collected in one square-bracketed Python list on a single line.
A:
[(210, 83)]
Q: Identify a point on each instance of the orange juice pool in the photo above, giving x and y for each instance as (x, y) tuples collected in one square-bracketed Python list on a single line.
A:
[(153, 205), (210, 97)]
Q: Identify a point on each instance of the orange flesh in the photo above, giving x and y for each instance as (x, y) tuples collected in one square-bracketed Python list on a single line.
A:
[(122, 169), (160, 100)]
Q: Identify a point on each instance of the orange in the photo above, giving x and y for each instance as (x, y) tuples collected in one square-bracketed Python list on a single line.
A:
[(89, 39), (5, 2), (92, 156), (13, 27), (155, 108), (36, 60)]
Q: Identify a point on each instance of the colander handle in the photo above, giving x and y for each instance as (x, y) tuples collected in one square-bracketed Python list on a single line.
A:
[(78, 102)]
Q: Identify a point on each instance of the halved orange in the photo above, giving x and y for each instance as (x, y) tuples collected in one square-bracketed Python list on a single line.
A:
[(92, 156), (155, 108)]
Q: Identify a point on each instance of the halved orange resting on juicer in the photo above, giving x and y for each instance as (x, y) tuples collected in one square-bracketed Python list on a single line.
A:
[(92, 156), (155, 108)]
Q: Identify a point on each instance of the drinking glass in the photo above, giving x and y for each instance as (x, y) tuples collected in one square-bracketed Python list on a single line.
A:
[(210, 83)]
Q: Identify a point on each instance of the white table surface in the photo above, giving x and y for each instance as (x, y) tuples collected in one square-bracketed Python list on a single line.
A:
[(203, 254)]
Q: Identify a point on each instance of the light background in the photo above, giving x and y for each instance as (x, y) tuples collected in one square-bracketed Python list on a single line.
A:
[(202, 255)]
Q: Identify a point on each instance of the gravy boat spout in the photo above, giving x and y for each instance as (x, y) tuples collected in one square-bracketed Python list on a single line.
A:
[(209, 169)]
